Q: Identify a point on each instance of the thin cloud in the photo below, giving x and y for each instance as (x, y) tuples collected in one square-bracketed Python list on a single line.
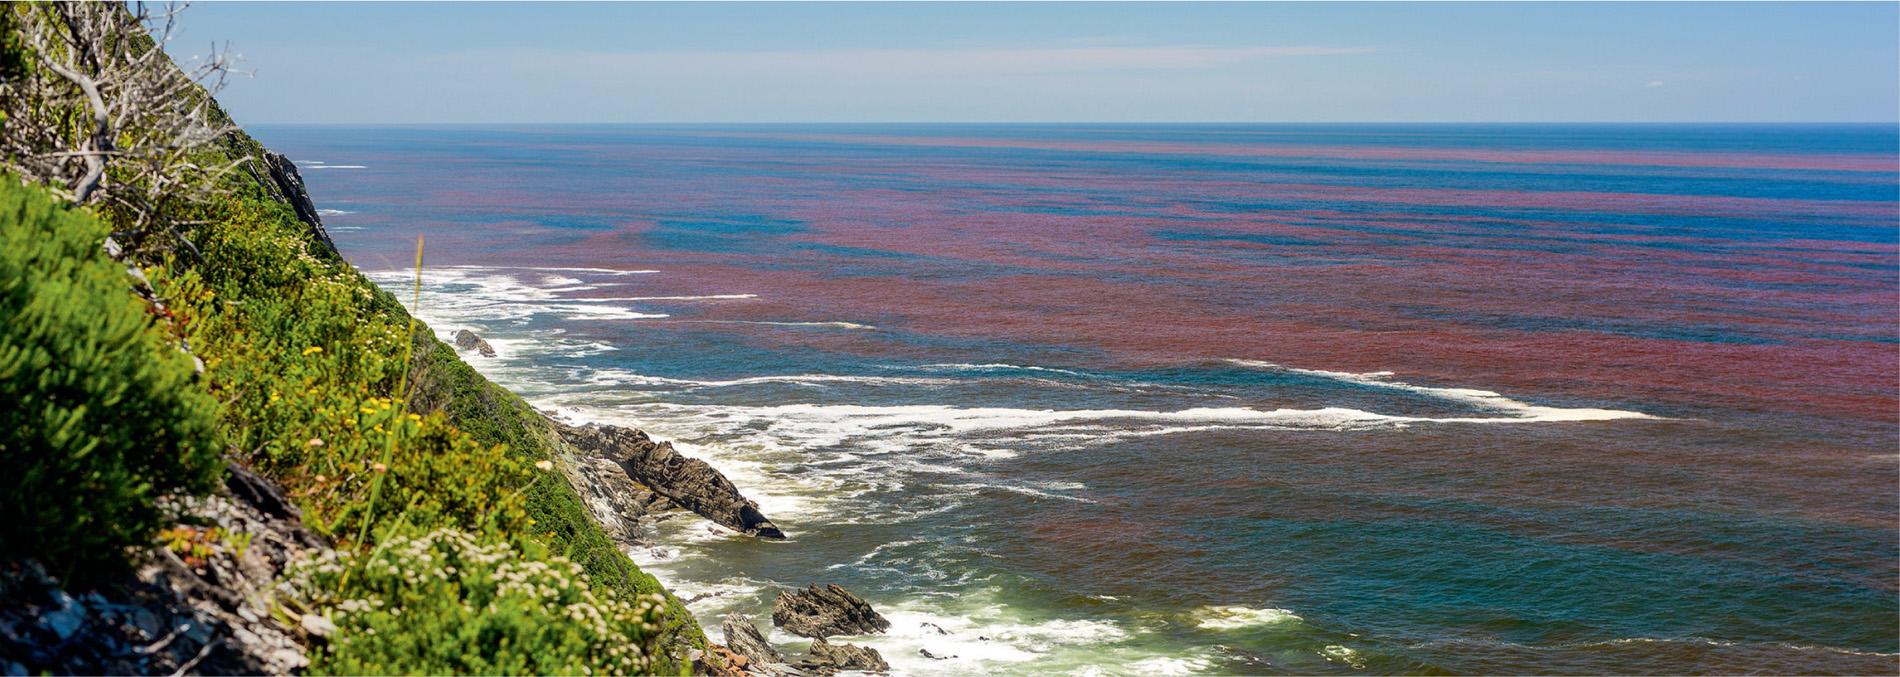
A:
[(914, 62)]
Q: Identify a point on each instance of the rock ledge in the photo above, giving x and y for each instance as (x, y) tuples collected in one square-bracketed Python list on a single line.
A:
[(824, 612)]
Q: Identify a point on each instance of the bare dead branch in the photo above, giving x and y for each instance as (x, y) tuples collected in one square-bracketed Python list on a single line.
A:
[(104, 118)]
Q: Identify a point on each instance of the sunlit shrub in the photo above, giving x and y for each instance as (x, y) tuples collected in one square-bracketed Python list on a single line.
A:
[(381, 467), (447, 602), (99, 413)]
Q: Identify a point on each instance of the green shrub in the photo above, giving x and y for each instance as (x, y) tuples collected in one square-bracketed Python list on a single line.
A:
[(381, 468), (449, 603), (100, 414)]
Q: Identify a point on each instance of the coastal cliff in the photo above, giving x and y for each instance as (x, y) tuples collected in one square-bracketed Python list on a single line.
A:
[(349, 439)]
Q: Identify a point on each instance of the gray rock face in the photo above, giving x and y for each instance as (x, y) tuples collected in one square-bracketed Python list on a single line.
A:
[(468, 340), (207, 616), (827, 659), (824, 612), (283, 174), (687, 482), (622, 507), (743, 638)]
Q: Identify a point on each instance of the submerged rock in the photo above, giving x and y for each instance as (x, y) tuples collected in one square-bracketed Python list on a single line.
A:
[(743, 638), (827, 659), (688, 482), (824, 612), (468, 340)]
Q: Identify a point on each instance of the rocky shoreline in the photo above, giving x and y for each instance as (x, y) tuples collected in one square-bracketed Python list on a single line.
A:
[(630, 481), (217, 608), (653, 472), (221, 612)]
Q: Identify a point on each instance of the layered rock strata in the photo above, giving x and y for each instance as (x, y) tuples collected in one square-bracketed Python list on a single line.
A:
[(210, 615), (827, 659), (824, 612), (468, 340), (743, 638), (687, 482), (289, 184)]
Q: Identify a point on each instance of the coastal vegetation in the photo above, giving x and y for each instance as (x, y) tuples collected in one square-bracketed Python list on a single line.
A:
[(171, 309), (102, 416)]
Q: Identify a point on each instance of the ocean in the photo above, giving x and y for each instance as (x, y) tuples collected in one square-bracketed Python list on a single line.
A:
[(1212, 399)]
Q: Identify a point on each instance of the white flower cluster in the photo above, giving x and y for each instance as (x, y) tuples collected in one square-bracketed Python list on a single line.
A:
[(449, 565)]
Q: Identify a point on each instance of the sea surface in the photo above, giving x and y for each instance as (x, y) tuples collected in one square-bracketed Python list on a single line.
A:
[(1212, 399)]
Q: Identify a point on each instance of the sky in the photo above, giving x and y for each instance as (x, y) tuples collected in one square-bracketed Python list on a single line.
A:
[(655, 62)]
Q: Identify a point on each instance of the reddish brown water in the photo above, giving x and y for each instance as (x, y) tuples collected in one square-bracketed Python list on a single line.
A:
[(1110, 394)]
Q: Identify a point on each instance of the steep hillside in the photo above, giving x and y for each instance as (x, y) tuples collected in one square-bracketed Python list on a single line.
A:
[(397, 456)]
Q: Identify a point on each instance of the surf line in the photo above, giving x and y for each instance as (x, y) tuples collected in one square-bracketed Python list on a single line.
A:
[(839, 325), (1517, 412)]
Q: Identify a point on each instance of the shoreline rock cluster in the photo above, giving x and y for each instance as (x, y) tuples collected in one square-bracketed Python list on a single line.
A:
[(817, 613), (656, 477), (826, 612), (468, 340)]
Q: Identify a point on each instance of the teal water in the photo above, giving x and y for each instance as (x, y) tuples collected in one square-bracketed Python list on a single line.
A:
[(1214, 399)]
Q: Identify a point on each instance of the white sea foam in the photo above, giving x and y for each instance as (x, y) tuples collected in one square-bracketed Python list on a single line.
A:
[(1235, 617), (317, 166), (622, 377), (980, 634), (333, 212), (1725, 643), (1483, 400), (498, 296), (998, 366), (1343, 654), (710, 297), (1025, 490), (834, 325), (1168, 665)]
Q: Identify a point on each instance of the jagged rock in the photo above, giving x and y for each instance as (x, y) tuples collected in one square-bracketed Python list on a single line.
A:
[(468, 340), (926, 654), (621, 507), (824, 612), (207, 616), (933, 627), (284, 177), (689, 482), (744, 639), (826, 659)]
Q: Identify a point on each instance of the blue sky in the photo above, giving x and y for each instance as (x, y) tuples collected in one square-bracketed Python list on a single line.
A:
[(382, 63)]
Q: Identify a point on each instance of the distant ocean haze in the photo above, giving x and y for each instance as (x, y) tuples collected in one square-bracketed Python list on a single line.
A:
[(1503, 398)]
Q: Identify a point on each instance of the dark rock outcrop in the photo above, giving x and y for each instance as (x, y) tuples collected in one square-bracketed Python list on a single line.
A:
[(826, 659), (209, 615), (688, 482), (284, 176), (623, 509), (743, 638), (468, 340), (824, 612)]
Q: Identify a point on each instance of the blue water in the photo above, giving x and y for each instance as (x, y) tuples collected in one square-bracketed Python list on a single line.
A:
[(1213, 399)]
